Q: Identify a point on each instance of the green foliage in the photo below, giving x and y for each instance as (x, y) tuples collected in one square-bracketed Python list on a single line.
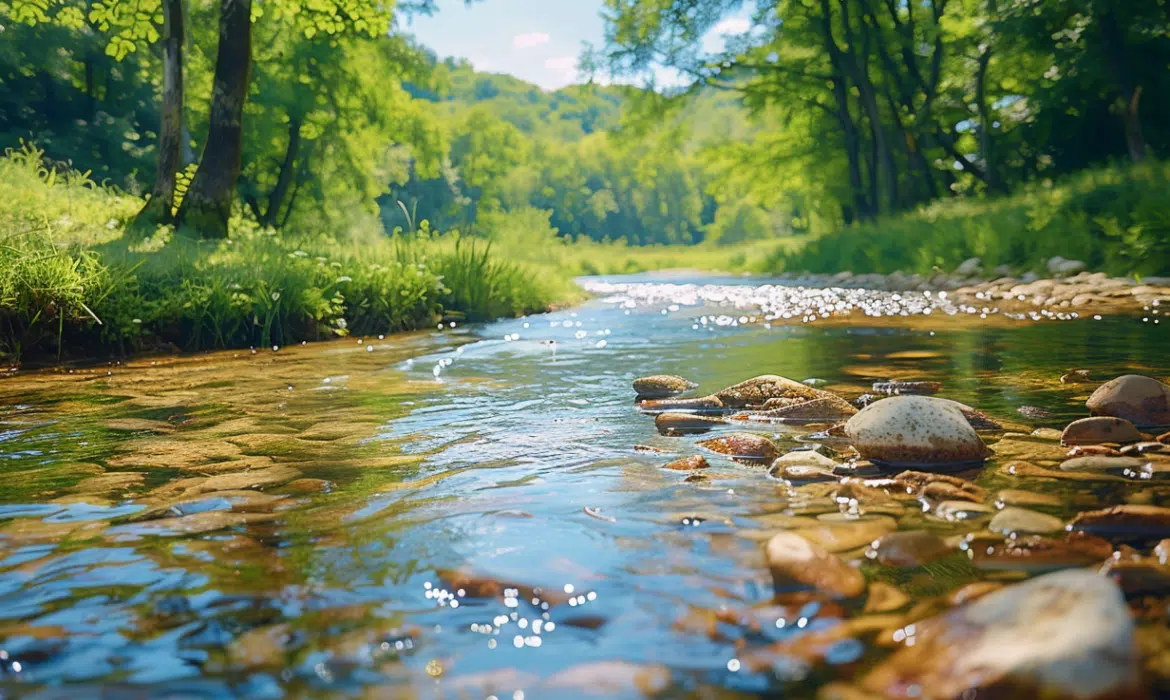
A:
[(70, 280), (1116, 220)]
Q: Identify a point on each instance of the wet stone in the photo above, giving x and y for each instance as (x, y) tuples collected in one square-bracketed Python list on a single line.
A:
[(1103, 465), (1077, 376), (743, 446), (1143, 401), (1020, 521), (1145, 448), (796, 563), (661, 386), (897, 388), (1151, 522), (955, 511), (685, 423), (1018, 497), (687, 464), (1099, 429), (757, 391), (1138, 576), (817, 410), (1093, 450), (915, 430), (908, 548), (839, 532), (702, 404), (1067, 634)]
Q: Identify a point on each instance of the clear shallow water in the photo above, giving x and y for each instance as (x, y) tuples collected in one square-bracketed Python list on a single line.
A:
[(164, 528)]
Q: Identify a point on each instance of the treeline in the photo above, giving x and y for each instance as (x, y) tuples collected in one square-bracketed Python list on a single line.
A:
[(869, 107), (322, 119)]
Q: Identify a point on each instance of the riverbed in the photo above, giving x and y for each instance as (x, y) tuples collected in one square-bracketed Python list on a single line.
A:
[(482, 511)]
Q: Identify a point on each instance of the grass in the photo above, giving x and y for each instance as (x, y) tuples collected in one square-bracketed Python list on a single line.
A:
[(74, 283), (1116, 220)]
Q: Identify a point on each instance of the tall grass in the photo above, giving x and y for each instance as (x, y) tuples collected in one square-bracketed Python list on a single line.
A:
[(1116, 220), (72, 281)]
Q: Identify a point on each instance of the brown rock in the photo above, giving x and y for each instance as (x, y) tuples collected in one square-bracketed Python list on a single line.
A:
[(743, 446), (1021, 521), (1143, 401), (687, 464), (1138, 576), (1145, 448), (817, 410), (1103, 465), (661, 386), (1037, 553), (897, 388), (1093, 450), (1094, 431), (1017, 497), (1127, 520), (797, 563), (1077, 376)]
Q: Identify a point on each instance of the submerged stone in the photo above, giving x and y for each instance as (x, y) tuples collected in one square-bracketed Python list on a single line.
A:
[(685, 423), (1019, 497), (797, 563), (702, 404), (1021, 521), (908, 548), (1126, 521), (962, 510), (915, 430), (1062, 635), (1138, 576), (758, 390), (1141, 400), (743, 446), (687, 464), (1099, 429), (1077, 376), (1103, 465), (897, 388), (831, 408), (661, 386)]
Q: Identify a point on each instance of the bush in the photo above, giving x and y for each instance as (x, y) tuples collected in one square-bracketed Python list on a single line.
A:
[(1116, 220)]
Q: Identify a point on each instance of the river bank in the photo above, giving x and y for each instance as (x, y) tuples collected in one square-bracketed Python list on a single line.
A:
[(338, 518)]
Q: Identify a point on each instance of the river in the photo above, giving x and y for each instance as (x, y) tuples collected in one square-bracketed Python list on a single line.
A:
[(462, 512)]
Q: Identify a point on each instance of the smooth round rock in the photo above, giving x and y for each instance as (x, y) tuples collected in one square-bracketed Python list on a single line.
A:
[(1143, 401), (1021, 521), (1067, 634), (1020, 497), (1099, 429), (661, 386), (745, 446), (915, 430), (687, 464), (804, 458), (797, 563)]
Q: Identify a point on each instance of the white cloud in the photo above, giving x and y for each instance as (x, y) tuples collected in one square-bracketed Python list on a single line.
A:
[(732, 25), (530, 40), (564, 66)]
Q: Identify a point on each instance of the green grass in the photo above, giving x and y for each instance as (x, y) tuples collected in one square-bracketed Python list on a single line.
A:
[(74, 283), (1116, 220)]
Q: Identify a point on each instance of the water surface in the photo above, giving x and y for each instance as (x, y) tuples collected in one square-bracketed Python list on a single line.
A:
[(463, 512)]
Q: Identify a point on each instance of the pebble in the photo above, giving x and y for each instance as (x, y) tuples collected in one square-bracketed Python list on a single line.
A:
[(685, 423), (743, 446), (1103, 465), (687, 464), (1018, 497), (1126, 520), (797, 563), (1021, 521), (702, 404), (962, 510), (908, 548)]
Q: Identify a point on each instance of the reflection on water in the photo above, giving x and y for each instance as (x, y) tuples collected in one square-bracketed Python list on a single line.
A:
[(463, 513)]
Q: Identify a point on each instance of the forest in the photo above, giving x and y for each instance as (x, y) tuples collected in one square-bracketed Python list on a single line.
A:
[(871, 135)]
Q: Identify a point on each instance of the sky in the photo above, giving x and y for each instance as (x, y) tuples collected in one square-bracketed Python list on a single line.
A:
[(535, 40)]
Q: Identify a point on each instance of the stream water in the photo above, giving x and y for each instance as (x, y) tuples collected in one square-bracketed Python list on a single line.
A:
[(463, 512)]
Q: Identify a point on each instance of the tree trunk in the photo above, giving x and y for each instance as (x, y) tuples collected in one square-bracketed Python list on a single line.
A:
[(207, 207), (1114, 44), (985, 140), (886, 194), (287, 172), (862, 204), (160, 208)]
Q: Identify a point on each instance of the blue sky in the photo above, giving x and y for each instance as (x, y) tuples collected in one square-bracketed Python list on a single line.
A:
[(536, 40)]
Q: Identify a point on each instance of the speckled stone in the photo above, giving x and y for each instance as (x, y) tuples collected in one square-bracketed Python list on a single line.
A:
[(915, 430), (758, 390), (687, 464), (743, 446)]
